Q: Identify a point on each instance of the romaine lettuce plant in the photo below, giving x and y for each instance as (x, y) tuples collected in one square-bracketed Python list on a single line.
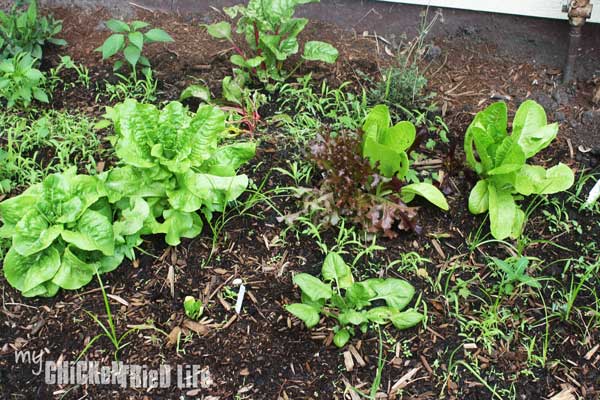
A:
[(352, 304), (172, 162), (386, 146), (271, 34), (62, 233), (500, 160)]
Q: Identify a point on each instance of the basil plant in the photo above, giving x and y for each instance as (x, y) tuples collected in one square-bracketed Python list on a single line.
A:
[(62, 233), (500, 160), (171, 166), (352, 304), (386, 147)]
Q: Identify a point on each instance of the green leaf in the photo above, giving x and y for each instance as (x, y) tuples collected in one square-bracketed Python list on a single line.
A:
[(193, 308), (220, 30), (112, 46), (335, 269), (158, 35), (426, 190), (93, 231), (200, 92), (313, 287), (341, 337), (13, 209), (305, 313), (406, 319), (33, 233), (178, 224), (136, 39), (530, 128), (227, 159), (73, 272), (359, 295), (320, 51), (132, 219), (214, 191), (534, 179), (117, 26), (132, 54), (26, 273), (353, 317), (478, 199), (381, 315), (509, 157), (397, 293), (400, 137), (503, 212), (137, 25)]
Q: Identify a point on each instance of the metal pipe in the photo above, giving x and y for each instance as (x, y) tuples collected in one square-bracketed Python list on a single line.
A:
[(574, 41), (579, 11)]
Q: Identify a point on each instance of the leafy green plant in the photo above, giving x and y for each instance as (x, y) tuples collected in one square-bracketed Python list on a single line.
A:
[(143, 89), (365, 177), (500, 160), (54, 142), (62, 233), (193, 308), (515, 272), (25, 31), (21, 82), (352, 304), (241, 102), (67, 63), (271, 34), (173, 166), (130, 40)]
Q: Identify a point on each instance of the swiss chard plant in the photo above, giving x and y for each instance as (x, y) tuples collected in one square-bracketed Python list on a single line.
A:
[(271, 35), (25, 31), (62, 233), (500, 160), (173, 166), (353, 305), (21, 82), (129, 39)]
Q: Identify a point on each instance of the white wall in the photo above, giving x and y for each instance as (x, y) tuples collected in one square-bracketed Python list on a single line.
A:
[(534, 8)]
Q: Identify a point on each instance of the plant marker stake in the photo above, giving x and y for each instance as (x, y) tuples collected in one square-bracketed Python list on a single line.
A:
[(240, 296), (594, 194)]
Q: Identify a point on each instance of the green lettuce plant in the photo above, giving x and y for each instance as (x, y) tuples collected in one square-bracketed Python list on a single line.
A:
[(21, 82), (62, 233), (352, 304), (386, 147), (171, 161), (25, 31), (500, 160), (271, 34)]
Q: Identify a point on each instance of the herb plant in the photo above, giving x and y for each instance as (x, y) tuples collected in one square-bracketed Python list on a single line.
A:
[(500, 160), (24, 31), (271, 34), (171, 161), (21, 82), (352, 304), (62, 233), (130, 40)]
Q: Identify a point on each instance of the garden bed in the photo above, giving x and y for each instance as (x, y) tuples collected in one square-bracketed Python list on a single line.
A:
[(467, 350)]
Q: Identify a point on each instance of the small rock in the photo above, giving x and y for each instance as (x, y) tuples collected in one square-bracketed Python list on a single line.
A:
[(560, 116), (561, 96), (591, 117), (546, 101), (433, 52)]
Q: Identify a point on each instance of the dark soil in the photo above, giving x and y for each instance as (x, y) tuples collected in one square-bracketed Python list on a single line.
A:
[(264, 354)]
